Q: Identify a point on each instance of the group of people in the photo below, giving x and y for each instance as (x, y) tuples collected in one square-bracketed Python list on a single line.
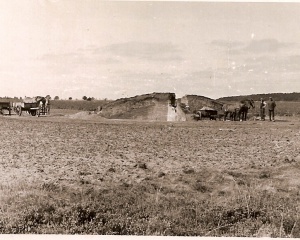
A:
[(271, 107)]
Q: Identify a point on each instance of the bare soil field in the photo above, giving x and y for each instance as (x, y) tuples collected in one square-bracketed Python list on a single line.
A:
[(82, 174)]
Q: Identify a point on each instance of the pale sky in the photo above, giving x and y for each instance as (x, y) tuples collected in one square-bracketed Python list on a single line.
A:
[(105, 49)]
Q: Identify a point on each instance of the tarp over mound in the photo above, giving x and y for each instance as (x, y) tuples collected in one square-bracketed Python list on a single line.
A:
[(207, 109)]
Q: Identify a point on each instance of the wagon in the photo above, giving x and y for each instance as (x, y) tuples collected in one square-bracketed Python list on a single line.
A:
[(5, 106), (32, 106), (206, 112)]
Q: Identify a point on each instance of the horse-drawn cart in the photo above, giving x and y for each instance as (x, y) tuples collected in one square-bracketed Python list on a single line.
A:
[(206, 112), (5, 107), (35, 106)]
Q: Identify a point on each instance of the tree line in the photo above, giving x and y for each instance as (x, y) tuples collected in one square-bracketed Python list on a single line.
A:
[(85, 98), (289, 97)]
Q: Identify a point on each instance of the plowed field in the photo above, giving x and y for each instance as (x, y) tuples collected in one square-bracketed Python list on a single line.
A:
[(223, 165)]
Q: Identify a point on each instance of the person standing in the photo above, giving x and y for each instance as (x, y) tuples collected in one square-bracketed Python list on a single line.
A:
[(271, 107), (262, 106)]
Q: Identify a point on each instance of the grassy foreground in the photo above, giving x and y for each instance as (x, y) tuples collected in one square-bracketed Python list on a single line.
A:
[(153, 207)]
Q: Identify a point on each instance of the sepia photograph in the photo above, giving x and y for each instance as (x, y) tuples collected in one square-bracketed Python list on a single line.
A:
[(149, 119)]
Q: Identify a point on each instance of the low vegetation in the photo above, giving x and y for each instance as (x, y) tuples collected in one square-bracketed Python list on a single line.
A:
[(78, 104), (201, 208), (65, 176)]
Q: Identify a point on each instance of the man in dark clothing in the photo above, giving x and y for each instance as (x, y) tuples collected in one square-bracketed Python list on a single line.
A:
[(271, 107), (262, 106)]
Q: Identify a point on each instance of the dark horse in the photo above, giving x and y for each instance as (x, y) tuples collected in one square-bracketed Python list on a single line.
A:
[(238, 110)]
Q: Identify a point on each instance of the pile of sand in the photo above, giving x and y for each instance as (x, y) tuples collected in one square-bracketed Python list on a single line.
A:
[(85, 115)]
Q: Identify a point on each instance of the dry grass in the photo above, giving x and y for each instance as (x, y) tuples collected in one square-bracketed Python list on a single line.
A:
[(149, 208)]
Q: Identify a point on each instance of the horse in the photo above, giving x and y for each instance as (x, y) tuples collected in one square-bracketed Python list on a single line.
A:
[(238, 109), (231, 110), (245, 106)]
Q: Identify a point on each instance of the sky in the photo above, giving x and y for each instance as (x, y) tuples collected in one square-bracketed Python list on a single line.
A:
[(117, 49)]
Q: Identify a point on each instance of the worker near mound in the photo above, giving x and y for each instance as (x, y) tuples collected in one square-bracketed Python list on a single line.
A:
[(262, 106), (271, 107)]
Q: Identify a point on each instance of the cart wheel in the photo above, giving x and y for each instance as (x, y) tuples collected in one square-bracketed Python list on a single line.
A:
[(33, 112)]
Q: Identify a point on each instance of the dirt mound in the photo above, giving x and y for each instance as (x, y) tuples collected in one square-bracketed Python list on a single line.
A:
[(154, 107), (195, 102), (85, 115), (80, 115)]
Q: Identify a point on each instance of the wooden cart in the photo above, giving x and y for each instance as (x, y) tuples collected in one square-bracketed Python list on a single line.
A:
[(206, 112), (35, 108), (5, 106)]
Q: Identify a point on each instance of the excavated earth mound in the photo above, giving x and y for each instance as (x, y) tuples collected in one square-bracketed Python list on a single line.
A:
[(195, 102), (153, 107)]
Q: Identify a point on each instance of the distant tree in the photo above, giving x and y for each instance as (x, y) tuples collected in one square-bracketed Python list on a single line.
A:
[(70, 98), (56, 98), (84, 97), (48, 96), (89, 99), (256, 97)]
